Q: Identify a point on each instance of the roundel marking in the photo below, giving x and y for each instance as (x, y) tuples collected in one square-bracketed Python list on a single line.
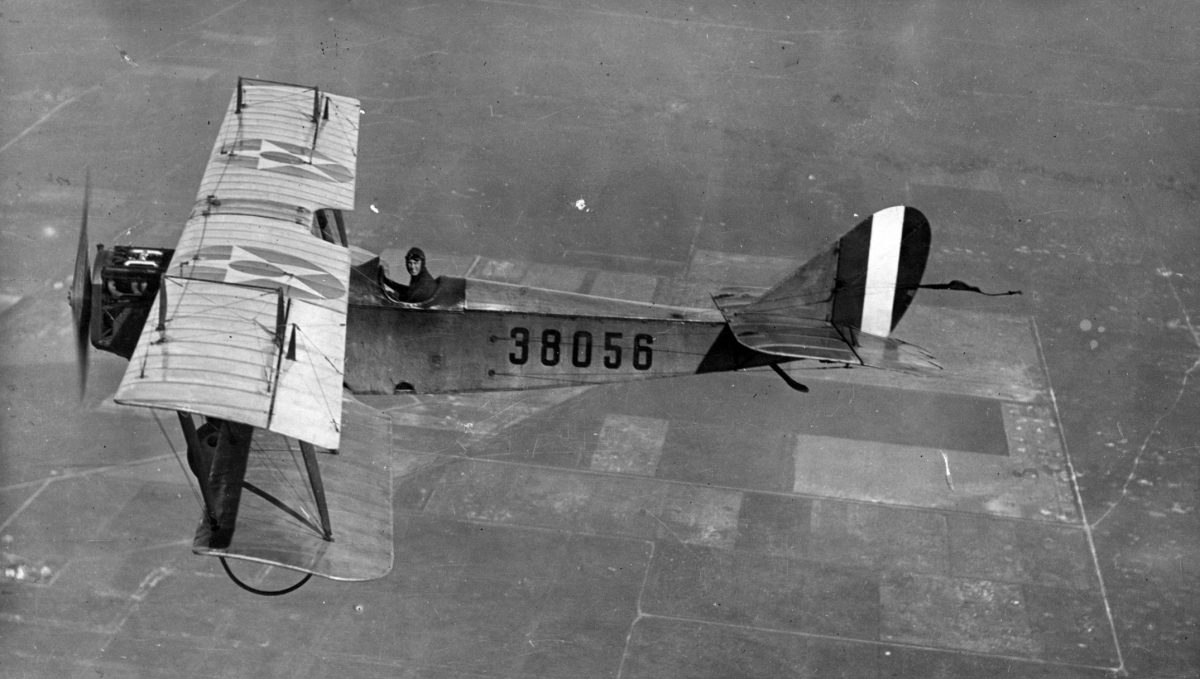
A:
[(284, 158), (258, 266)]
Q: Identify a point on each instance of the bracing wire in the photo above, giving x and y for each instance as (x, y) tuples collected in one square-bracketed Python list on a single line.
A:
[(200, 502), (187, 474), (273, 466)]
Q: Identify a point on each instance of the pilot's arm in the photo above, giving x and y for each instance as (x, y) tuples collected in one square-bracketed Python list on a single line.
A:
[(390, 286)]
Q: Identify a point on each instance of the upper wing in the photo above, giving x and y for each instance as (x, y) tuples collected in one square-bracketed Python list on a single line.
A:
[(250, 325)]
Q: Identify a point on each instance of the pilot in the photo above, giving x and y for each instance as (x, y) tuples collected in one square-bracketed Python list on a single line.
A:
[(421, 285)]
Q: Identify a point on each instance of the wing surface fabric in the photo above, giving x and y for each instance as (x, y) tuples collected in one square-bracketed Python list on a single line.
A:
[(251, 322)]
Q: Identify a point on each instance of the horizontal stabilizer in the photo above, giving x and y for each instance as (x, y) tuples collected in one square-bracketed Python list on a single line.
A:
[(279, 523), (793, 338)]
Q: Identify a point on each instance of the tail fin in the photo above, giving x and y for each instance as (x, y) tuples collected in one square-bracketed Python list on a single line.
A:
[(843, 304), (866, 280)]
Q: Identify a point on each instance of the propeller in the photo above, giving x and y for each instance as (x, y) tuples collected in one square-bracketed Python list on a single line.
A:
[(80, 294)]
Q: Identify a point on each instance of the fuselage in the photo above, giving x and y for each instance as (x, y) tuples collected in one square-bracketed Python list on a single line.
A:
[(479, 335)]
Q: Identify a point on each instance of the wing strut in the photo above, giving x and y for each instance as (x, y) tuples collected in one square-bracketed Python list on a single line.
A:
[(341, 227), (196, 461), (318, 487), (217, 456)]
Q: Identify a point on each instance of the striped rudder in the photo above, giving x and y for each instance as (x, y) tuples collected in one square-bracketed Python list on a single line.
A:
[(879, 266)]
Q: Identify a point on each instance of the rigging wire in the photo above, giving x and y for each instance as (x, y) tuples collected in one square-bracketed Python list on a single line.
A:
[(273, 467), (187, 474), (200, 502)]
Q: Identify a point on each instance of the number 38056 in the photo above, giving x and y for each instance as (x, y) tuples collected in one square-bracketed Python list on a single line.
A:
[(581, 349)]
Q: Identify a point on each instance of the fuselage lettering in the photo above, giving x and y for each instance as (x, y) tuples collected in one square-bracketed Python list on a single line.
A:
[(551, 346), (521, 343), (616, 349), (642, 353), (581, 349)]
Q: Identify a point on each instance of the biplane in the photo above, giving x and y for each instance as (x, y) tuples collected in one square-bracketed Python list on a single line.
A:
[(263, 323)]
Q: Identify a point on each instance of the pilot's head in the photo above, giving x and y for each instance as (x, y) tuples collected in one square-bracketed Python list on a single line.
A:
[(414, 261)]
